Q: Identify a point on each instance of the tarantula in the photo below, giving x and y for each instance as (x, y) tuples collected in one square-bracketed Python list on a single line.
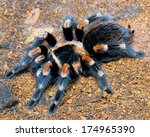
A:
[(98, 39)]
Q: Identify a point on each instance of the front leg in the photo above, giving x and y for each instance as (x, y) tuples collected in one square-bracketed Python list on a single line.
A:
[(32, 52), (62, 82), (43, 78), (24, 63), (67, 27)]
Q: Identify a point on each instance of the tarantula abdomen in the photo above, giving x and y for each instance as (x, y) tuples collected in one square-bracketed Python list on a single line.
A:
[(104, 40)]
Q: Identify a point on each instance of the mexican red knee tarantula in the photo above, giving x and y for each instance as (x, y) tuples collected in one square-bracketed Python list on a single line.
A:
[(98, 39)]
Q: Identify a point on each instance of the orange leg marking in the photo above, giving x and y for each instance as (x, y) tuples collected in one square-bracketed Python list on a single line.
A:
[(88, 59), (39, 58), (46, 68), (82, 24), (65, 70), (34, 51), (98, 47)]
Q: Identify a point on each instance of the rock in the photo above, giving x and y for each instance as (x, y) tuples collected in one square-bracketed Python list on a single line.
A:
[(83, 118), (7, 100), (33, 17), (35, 32)]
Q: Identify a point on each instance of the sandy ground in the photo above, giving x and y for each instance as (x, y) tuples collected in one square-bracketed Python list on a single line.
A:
[(130, 77)]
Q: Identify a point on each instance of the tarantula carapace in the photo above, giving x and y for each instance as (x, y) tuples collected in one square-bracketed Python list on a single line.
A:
[(98, 39)]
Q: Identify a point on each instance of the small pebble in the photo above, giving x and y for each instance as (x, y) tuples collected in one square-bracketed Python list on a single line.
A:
[(82, 118)]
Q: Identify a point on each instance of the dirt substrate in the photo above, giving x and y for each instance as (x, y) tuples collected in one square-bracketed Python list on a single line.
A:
[(130, 77)]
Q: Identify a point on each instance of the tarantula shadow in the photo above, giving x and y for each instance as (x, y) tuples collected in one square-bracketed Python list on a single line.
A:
[(98, 39)]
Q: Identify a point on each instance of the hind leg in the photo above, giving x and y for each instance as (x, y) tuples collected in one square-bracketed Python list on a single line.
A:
[(116, 52), (131, 53), (126, 50), (110, 58)]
